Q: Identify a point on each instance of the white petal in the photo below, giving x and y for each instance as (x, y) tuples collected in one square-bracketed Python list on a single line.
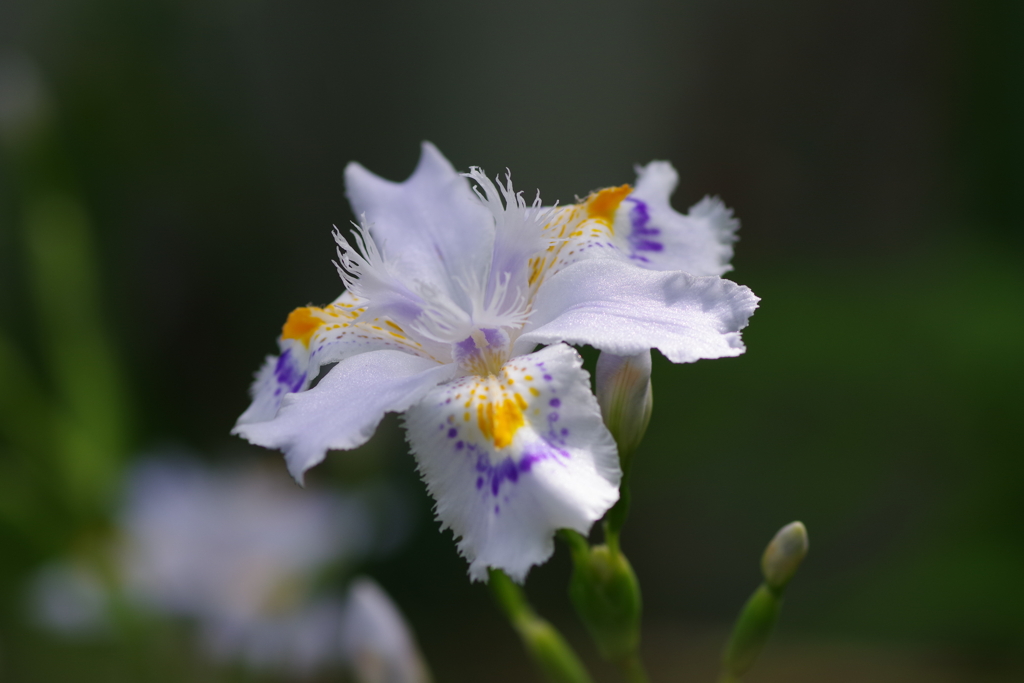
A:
[(313, 337), (656, 236), (344, 409), (622, 309), (512, 458), (431, 225)]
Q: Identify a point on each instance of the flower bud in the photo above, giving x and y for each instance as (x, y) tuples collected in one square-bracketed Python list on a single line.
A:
[(624, 394), (781, 559), (606, 595), (783, 555)]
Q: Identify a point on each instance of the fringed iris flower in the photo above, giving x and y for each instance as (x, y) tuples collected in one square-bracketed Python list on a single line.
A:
[(451, 284)]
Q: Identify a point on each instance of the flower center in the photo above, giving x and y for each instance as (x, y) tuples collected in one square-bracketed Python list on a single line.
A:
[(483, 352)]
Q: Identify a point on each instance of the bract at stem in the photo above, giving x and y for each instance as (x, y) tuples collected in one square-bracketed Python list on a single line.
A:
[(606, 594)]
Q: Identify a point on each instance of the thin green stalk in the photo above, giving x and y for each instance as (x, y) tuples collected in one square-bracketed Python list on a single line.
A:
[(616, 517), (545, 645)]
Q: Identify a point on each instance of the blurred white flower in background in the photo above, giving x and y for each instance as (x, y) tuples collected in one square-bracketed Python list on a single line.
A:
[(239, 551), (231, 545), (69, 598), (376, 641)]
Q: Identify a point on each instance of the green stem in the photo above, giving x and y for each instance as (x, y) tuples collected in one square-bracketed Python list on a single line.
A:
[(616, 517), (633, 670), (750, 633), (545, 645)]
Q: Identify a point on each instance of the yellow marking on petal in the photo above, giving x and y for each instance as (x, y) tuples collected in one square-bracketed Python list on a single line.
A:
[(499, 422), (394, 326), (302, 324), (521, 402), (534, 392), (466, 416), (537, 267), (603, 204)]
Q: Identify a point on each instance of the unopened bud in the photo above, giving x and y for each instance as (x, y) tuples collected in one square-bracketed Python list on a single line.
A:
[(606, 595), (624, 393), (781, 559), (783, 555)]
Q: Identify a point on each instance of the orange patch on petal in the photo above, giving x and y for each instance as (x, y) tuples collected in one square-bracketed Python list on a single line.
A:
[(302, 324), (603, 204), (499, 421)]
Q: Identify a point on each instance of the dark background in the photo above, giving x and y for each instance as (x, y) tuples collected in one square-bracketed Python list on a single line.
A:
[(874, 152)]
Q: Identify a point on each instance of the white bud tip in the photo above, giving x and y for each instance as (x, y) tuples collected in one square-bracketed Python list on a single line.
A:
[(784, 554)]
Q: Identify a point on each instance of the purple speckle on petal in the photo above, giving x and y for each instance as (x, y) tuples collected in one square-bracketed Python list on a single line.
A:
[(547, 377), (555, 402), (565, 431), (642, 232), (452, 433), (648, 245), (287, 373), (459, 445), (553, 417), (508, 470)]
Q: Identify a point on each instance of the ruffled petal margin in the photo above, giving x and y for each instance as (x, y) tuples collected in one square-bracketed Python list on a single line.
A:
[(429, 224), (656, 236), (619, 308), (512, 458)]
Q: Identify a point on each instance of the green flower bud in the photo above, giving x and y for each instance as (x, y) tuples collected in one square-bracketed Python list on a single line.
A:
[(606, 595), (779, 563), (624, 394), (783, 555)]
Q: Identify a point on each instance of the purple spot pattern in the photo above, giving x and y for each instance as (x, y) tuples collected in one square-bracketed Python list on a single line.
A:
[(288, 374), (496, 472), (641, 237)]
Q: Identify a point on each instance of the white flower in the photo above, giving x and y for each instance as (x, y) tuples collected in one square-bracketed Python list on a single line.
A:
[(231, 546), (449, 291), (235, 550), (375, 640)]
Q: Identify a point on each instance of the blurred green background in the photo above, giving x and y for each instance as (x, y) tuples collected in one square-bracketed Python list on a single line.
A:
[(174, 199)]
